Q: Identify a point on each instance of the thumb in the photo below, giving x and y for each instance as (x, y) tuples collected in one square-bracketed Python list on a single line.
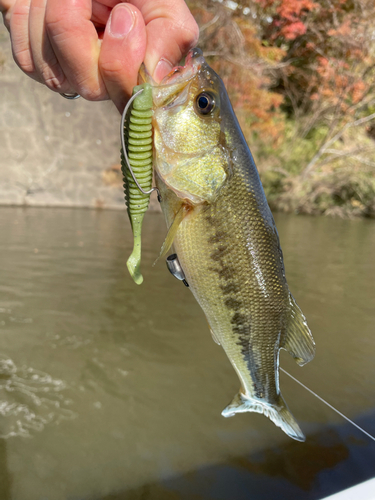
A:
[(171, 32), (122, 52)]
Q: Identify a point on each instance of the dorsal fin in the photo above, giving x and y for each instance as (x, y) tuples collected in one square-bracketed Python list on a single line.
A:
[(297, 339)]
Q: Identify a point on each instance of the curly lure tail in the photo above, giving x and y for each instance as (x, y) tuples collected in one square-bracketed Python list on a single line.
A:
[(138, 140)]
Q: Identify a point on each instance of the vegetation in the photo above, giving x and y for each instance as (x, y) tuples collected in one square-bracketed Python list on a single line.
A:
[(301, 76)]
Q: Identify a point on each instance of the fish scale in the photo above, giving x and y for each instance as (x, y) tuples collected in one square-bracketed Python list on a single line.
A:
[(226, 240)]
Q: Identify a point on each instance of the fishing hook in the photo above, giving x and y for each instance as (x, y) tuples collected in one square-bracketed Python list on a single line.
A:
[(124, 113)]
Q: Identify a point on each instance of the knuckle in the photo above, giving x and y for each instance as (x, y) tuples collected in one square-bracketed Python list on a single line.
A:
[(91, 93), (55, 83), (111, 69), (57, 26), (53, 76), (23, 60), (93, 96), (54, 28), (53, 16), (20, 10)]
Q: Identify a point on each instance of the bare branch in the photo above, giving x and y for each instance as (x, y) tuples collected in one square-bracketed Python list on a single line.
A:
[(339, 134), (213, 21), (279, 170), (248, 62)]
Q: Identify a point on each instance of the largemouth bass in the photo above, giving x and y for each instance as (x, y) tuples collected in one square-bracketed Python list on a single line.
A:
[(225, 236)]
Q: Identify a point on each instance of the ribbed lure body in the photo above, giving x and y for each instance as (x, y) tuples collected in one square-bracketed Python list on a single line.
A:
[(138, 141)]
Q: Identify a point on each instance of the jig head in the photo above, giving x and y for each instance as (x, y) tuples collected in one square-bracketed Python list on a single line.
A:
[(175, 268)]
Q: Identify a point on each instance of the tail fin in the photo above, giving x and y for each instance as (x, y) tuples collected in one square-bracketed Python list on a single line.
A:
[(279, 414)]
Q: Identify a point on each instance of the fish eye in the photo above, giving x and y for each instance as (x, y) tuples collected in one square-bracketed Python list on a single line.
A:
[(205, 103)]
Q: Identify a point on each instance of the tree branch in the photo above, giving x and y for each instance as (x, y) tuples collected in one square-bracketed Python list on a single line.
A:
[(325, 146)]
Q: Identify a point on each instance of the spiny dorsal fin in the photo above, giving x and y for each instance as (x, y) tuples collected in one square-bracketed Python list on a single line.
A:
[(298, 340)]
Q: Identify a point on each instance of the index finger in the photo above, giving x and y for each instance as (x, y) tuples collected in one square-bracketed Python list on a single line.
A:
[(76, 45)]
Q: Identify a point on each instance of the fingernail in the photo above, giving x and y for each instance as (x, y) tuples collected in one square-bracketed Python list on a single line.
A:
[(162, 69), (121, 21)]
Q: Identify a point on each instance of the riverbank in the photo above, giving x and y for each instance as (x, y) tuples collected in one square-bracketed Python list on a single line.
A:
[(303, 176), (60, 153), (55, 152)]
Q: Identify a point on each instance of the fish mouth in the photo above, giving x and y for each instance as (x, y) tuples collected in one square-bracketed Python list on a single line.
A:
[(176, 81), (193, 63)]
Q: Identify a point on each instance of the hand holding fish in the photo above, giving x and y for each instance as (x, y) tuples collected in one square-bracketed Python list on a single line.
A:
[(95, 47)]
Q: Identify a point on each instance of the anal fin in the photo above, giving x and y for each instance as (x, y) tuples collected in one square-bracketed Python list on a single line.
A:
[(297, 339)]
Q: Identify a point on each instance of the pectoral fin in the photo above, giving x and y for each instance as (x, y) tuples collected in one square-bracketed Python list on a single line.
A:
[(172, 231), (298, 340)]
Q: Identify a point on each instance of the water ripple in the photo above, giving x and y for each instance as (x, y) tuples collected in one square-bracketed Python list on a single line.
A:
[(30, 399)]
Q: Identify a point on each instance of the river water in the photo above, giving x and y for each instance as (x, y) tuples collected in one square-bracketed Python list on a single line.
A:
[(112, 391)]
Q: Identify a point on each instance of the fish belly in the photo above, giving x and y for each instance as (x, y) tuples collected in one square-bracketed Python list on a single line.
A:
[(243, 303)]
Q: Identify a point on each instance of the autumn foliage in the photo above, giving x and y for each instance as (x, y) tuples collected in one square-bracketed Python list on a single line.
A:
[(235, 50), (301, 75)]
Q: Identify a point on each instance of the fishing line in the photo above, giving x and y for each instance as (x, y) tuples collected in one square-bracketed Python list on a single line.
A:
[(330, 406)]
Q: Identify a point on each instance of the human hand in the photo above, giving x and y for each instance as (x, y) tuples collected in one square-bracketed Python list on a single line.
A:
[(95, 47)]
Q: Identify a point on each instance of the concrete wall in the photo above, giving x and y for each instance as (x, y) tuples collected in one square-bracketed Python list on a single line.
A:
[(55, 152)]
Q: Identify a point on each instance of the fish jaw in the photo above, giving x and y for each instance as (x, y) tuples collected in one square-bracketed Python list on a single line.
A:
[(176, 80)]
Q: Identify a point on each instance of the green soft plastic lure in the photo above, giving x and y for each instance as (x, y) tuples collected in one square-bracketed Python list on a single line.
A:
[(138, 142)]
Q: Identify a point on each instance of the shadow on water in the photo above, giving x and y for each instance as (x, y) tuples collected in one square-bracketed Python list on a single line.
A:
[(327, 462)]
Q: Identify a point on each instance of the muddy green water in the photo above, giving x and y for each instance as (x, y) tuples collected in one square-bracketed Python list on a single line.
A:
[(112, 391)]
